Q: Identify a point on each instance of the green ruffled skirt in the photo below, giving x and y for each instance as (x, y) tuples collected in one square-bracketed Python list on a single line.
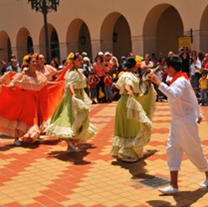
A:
[(133, 125), (70, 120)]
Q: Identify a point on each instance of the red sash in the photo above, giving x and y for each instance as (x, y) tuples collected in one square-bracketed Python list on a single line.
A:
[(178, 75)]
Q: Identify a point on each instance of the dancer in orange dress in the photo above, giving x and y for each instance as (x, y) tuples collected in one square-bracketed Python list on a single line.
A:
[(54, 90), (21, 99), (48, 70)]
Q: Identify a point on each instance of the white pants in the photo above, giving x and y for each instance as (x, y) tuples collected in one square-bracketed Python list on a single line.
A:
[(185, 139)]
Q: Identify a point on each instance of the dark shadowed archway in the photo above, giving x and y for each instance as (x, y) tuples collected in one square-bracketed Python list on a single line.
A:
[(78, 38), (116, 35), (204, 31), (5, 46), (53, 39), (54, 44), (24, 43), (162, 27)]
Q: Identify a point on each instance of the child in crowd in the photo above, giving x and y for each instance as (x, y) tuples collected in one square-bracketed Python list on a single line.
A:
[(93, 80), (108, 80), (203, 84)]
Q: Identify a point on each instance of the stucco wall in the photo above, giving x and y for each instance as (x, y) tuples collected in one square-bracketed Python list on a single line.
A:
[(148, 23)]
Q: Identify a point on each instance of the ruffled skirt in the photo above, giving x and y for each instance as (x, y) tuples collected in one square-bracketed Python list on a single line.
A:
[(70, 120), (18, 113), (133, 125), (25, 113)]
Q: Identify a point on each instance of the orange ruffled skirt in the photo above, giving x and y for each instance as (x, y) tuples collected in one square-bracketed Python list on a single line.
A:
[(25, 113)]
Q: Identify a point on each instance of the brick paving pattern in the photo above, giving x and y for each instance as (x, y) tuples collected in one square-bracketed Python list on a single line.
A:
[(43, 174)]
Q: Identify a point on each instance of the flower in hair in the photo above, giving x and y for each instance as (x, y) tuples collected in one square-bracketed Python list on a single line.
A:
[(138, 60), (26, 58), (70, 57), (35, 55)]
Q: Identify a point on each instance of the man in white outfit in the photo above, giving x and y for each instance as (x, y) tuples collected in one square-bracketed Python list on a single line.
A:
[(183, 137)]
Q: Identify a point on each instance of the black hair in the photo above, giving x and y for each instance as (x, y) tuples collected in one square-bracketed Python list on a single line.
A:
[(204, 72), (130, 62), (161, 57), (175, 61), (37, 56), (186, 62), (63, 61), (56, 63), (193, 53), (29, 59), (201, 55), (101, 58)]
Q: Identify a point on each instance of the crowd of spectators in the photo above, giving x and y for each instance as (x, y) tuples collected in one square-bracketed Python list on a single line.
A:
[(103, 72)]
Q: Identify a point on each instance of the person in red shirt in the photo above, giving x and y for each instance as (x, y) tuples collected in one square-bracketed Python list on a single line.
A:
[(93, 80), (108, 80)]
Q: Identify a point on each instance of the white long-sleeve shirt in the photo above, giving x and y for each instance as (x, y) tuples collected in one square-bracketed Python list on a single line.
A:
[(182, 101)]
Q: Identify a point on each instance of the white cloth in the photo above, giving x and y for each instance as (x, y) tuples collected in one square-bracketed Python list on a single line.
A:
[(130, 79), (183, 135), (76, 79), (193, 66)]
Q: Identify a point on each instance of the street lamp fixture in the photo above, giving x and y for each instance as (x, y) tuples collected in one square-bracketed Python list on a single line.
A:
[(45, 6), (115, 36), (191, 34), (83, 39)]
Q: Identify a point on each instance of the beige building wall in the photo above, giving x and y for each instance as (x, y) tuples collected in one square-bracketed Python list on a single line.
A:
[(117, 26)]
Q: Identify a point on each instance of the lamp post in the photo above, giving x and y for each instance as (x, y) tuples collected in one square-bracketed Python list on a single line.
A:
[(45, 6), (191, 34)]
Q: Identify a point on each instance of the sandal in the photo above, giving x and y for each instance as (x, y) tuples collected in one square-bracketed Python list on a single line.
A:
[(129, 159), (71, 148)]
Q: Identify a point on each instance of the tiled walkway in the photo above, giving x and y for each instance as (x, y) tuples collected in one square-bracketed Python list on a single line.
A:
[(42, 174)]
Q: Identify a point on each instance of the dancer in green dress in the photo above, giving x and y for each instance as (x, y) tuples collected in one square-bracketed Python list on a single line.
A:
[(70, 121), (134, 111)]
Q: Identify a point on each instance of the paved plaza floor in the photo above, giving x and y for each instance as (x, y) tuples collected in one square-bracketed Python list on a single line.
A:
[(43, 174)]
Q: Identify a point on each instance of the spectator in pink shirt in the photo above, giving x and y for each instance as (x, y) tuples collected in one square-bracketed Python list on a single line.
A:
[(99, 69)]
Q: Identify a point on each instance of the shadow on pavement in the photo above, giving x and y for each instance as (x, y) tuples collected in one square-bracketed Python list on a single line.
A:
[(183, 198), (33, 145), (137, 169), (74, 157)]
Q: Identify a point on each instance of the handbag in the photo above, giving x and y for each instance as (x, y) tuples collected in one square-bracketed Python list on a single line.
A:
[(197, 70)]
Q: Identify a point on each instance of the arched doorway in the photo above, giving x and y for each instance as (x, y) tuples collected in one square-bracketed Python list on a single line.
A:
[(55, 50), (24, 43), (85, 40), (53, 39), (115, 35), (5, 46), (30, 49), (162, 27), (204, 31), (78, 38)]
